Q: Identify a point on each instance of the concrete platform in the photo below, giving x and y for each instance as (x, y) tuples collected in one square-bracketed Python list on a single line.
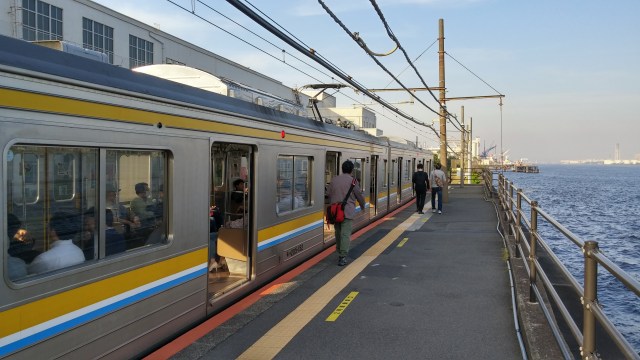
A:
[(417, 287)]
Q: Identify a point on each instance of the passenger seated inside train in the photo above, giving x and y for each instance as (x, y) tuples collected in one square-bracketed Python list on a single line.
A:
[(143, 206), (115, 242), (63, 226), (20, 241), (16, 266), (215, 222), (158, 233), (120, 212), (85, 240), (238, 196), (143, 216)]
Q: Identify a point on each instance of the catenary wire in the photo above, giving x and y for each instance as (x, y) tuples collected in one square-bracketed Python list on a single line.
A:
[(406, 56), (244, 41), (288, 32), (290, 65), (310, 53), (414, 60), (479, 78), (344, 27)]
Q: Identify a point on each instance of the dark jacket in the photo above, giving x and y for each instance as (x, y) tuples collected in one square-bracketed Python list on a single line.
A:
[(420, 181)]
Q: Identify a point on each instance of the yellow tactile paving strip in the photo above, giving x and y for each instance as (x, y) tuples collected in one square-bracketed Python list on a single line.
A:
[(271, 343)]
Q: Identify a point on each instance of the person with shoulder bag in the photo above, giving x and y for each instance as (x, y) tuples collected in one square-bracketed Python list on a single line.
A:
[(438, 182), (344, 190)]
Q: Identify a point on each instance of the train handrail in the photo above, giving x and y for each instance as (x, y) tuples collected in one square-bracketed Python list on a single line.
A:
[(520, 227)]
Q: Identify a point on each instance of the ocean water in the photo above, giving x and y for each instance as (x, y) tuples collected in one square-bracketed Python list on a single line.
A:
[(600, 203)]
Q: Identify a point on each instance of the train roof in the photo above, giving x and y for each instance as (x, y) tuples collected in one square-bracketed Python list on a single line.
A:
[(24, 55)]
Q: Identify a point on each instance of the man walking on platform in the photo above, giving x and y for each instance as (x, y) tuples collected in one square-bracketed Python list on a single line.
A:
[(420, 186), (338, 189), (438, 182)]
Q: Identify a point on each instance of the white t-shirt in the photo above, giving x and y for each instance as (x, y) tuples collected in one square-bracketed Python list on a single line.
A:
[(63, 253)]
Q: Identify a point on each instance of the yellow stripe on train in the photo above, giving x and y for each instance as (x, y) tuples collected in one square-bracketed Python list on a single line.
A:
[(43, 310), (67, 106)]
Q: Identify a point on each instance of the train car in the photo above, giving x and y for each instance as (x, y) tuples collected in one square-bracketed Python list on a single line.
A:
[(134, 208)]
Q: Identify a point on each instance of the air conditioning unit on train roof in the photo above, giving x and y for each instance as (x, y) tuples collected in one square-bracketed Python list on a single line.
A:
[(74, 49), (206, 81)]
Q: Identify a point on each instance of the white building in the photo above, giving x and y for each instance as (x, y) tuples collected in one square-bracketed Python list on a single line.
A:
[(132, 44), (127, 42)]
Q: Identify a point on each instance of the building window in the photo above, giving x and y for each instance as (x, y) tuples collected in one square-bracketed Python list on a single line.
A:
[(293, 183), (140, 52), (98, 37), (173, 62), (41, 21)]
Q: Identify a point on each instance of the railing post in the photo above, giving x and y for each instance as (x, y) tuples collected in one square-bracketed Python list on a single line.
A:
[(532, 252), (510, 217), (588, 349), (518, 221)]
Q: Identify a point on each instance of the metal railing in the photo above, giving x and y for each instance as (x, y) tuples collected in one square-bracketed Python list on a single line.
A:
[(470, 176), (524, 229)]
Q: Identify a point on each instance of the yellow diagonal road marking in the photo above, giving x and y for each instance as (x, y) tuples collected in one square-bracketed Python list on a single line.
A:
[(401, 244), (271, 343), (342, 307)]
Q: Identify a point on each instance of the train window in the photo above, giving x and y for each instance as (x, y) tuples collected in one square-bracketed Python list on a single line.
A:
[(293, 183), (53, 192), (407, 170), (136, 198), (52, 201), (358, 171)]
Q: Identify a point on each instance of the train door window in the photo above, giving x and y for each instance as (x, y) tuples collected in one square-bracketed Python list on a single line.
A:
[(394, 172), (407, 171), (330, 170), (373, 185), (385, 174), (293, 189), (358, 171), (135, 197)]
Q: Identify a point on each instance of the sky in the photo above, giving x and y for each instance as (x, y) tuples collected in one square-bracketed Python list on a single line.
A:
[(569, 69)]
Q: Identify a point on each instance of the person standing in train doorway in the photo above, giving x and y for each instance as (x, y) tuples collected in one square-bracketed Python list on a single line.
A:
[(438, 182), (420, 186), (338, 189)]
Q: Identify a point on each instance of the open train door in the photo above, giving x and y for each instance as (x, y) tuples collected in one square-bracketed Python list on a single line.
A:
[(331, 169), (230, 217), (373, 187)]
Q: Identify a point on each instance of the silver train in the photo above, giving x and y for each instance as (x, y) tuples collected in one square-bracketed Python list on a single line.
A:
[(117, 193)]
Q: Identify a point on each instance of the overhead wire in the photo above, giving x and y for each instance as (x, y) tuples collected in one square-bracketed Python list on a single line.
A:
[(311, 53), (474, 74), (406, 56), (351, 34), (289, 33), (244, 41), (414, 60), (264, 51), (192, 12)]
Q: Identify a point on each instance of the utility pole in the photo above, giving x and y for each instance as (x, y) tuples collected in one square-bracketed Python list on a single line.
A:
[(462, 147), (470, 144), (443, 119)]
